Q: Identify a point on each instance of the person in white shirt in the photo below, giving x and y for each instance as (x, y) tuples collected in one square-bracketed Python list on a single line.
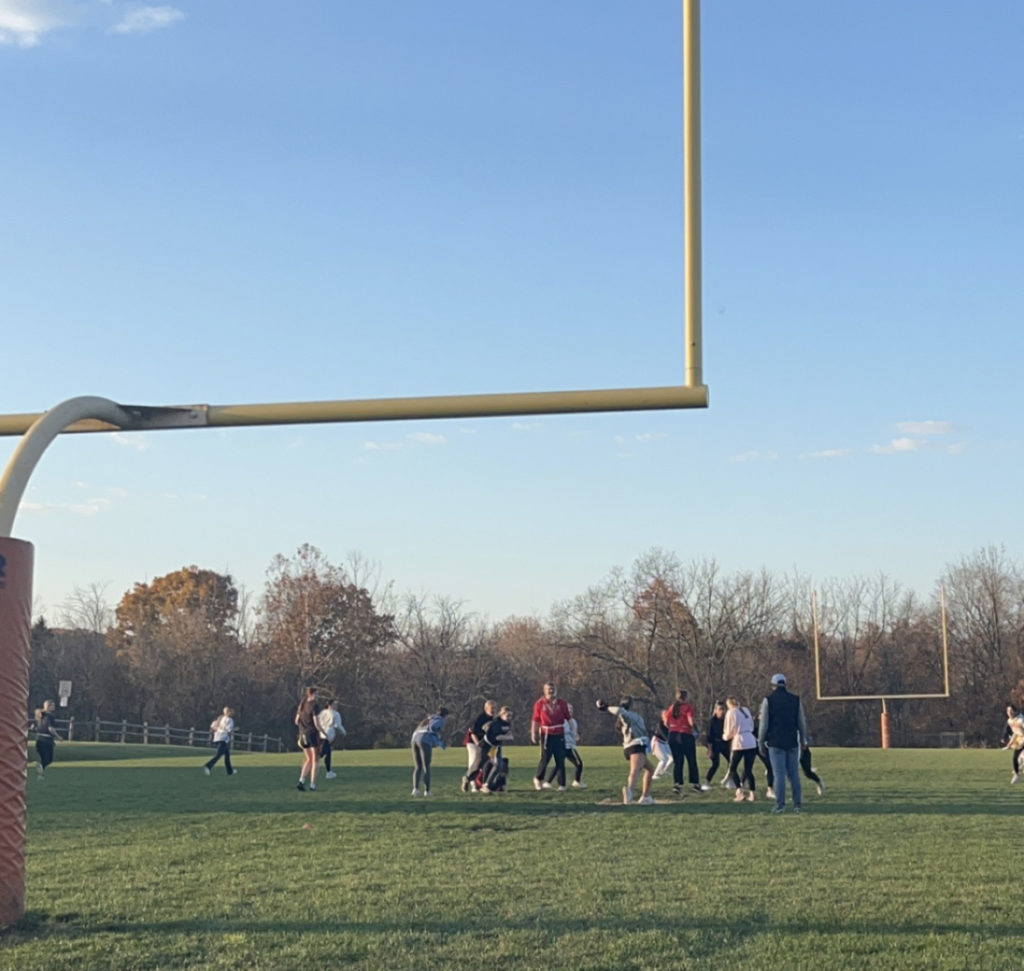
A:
[(738, 731), (222, 728), (330, 727)]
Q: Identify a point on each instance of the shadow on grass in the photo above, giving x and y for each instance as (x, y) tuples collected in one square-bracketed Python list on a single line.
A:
[(37, 925)]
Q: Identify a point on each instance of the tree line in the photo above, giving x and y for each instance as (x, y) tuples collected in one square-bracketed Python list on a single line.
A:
[(178, 648)]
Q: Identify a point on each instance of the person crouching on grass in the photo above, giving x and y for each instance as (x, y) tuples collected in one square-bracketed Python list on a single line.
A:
[(309, 738), (635, 744)]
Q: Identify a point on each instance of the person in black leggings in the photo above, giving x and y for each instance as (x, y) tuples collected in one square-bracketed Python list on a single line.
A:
[(718, 748)]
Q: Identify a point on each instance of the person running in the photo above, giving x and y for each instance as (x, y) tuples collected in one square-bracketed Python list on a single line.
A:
[(717, 746), (309, 738), (738, 731), (497, 732), (331, 727), (425, 739), (1013, 739), (223, 728), (635, 743), (808, 769), (474, 746), (572, 754), (661, 750), (682, 739), (46, 736), (550, 713), (783, 732)]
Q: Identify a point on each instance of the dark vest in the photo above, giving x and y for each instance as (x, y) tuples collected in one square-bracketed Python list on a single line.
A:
[(783, 713)]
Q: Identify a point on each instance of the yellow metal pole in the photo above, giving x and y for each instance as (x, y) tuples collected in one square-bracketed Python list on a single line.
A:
[(691, 194)]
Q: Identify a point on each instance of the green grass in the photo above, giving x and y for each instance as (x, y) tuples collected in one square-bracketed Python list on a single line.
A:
[(137, 860)]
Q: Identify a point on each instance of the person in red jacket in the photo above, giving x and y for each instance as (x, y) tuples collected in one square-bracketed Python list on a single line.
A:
[(682, 740), (550, 713)]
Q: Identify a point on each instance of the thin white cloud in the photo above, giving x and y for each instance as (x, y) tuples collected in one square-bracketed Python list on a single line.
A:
[(526, 426), (133, 440), (650, 436), (957, 448), (828, 453), (754, 457), (899, 446), (382, 446), (24, 23), (144, 20), (925, 427), (426, 438)]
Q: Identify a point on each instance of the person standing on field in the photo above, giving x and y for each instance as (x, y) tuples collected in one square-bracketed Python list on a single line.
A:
[(46, 736), (425, 739), (475, 745), (309, 738), (331, 727), (718, 747), (223, 728), (682, 739), (635, 746), (550, 713), (1013, 739), (738, 732), (572, 741), (783, 732)]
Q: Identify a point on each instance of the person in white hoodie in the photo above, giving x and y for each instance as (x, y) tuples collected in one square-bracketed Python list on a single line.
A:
[(331, 728), (222, 727), (738, 731), (635, 746)]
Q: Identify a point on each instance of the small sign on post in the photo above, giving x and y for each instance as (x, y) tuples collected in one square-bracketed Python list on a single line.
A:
[(65, 693)]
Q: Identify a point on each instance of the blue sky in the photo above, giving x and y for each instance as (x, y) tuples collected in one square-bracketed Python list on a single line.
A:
[(241, 203)]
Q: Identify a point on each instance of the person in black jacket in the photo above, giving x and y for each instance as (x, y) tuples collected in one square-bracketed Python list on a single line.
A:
[(46, 736), (783, 732), (475, 745), (718, 749)]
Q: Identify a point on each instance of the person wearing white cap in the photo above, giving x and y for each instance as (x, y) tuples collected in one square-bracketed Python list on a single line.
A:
[(783, 732)]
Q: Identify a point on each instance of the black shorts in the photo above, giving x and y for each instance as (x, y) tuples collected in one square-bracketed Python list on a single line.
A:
[(638, 749), (311, 739)]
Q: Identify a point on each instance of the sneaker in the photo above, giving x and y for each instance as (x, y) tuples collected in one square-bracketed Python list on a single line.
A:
[(676, 790), (206, 770), (697, 787), (465, 784), (331, 775), (821, 788), (537, 784), (770, 793), (579, 785), (415, 792), (545, 785), (627, 795), (739, 797), (41, 773), (427, 794), (705, 788), (647, 801), (778, 809), (561, 788), (301, 786), (233, 772), (750, 796), (1014, 779), (796, 809), (312, 787)]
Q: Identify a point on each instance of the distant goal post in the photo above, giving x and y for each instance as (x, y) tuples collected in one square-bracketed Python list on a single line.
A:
[(883, 698)]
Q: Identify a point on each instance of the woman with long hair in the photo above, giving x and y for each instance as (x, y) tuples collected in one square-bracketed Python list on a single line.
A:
[(635, 746), (739, 732), (425, 739), (309, 738), (682, 740)]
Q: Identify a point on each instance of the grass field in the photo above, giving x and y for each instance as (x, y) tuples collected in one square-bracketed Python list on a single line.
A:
[(137, 860)]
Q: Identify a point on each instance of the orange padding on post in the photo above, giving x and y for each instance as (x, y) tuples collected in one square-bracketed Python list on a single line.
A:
[(15, 626)]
